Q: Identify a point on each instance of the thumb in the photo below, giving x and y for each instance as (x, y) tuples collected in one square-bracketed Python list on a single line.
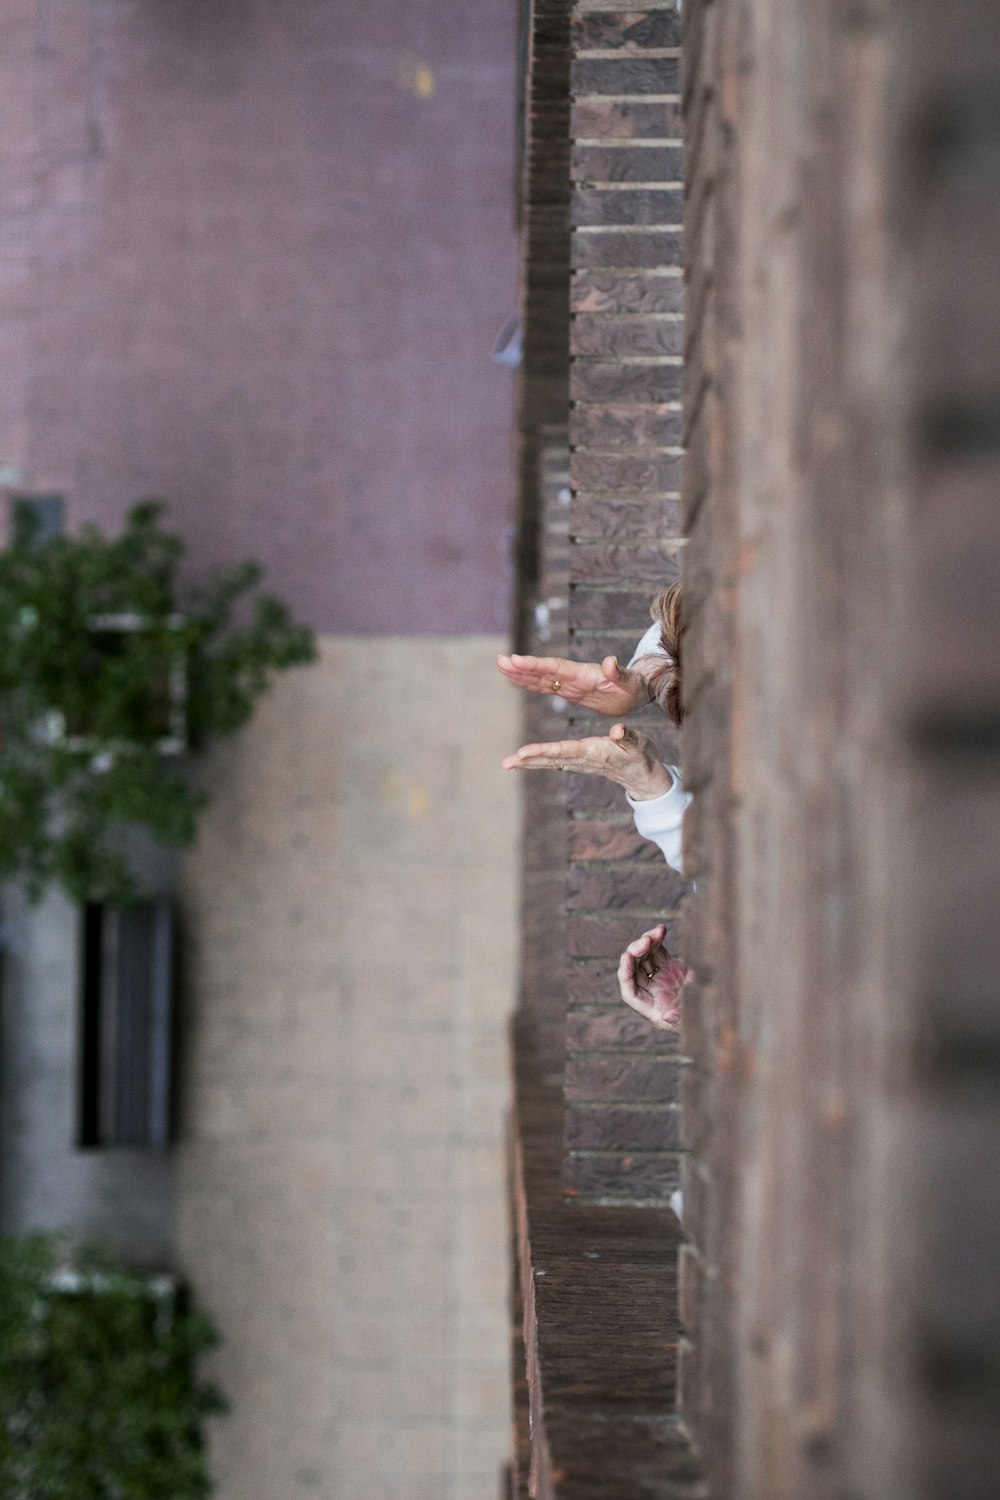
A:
[(611, 669), (623, 737)]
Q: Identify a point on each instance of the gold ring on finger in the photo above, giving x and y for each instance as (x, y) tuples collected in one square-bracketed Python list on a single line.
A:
[(556, 685)]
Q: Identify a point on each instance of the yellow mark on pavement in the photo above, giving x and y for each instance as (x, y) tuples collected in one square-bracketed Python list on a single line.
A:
[(417, 801), (415, 77), (413, 795)]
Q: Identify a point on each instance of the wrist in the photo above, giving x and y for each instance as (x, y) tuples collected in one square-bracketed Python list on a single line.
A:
[(655, 781), (640, 675)]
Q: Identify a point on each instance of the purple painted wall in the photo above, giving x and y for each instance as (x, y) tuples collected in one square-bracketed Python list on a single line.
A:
[(274, 243)]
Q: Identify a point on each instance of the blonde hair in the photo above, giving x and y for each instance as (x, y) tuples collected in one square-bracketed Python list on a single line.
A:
[(665, 685)]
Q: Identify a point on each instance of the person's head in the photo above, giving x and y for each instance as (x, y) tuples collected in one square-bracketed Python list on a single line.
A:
[(665, 685)]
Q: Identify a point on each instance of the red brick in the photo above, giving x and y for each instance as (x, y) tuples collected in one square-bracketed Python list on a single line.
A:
[(599, 334), (615, 1127), (622, 1177), (592, 380), (597, 1076), (615, 607), (594, 935), (632, 30), (649, 562), (616, 205), (640, 474), (594, 164), (637, 887), (624, 292), (625, 75), (624, 520), (621, 1029), (613, 119), (610, 426), (634, 249)]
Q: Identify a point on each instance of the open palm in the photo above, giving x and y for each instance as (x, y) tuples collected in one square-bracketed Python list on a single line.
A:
[(603, 686), (626, 756)]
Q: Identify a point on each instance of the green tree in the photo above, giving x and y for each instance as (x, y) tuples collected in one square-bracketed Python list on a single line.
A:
[(100, 1396), (87, 706)]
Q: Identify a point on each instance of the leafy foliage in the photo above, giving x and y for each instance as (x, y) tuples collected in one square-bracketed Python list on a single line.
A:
[(100, 1397), (63, 797)]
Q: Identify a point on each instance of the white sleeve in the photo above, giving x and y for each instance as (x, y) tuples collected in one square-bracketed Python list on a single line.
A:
[(661, 819), (649, 645)]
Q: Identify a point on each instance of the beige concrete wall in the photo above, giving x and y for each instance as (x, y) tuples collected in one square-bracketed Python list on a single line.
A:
[(351, 952)]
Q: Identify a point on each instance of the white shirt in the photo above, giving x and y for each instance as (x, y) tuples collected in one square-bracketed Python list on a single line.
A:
[(661, 819)]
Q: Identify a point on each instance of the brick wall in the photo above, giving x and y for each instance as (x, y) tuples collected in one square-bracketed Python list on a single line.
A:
[(841, 338), (595, 1345), (622, 1077), (945, 221)]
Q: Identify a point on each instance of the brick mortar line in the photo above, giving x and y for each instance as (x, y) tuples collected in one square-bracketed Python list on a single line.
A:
[(626, 143), (624, 229), (603, 8), (587, 403), (638, 317), (676, 272), (629, 912), (644, 1151), (658, 185), (592, 184), (625, 99), (623, 54), (644, 1106), (652, 360)]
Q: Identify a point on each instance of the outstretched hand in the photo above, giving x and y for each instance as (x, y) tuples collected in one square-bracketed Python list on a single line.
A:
[(603, 686), (626, 756), (651, 981)]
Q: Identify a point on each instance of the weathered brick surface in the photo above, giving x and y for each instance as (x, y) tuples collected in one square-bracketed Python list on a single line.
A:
[(625, 75), (626, 205), (655, 1127), (631, 31), (628, 248), (626, 339), (596, 1086), (609, 164), (620, 292), (838, 564), (594, 118), (610, 381)]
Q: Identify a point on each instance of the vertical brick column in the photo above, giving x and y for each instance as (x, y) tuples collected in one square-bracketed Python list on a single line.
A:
[(626, 337), (946, 220), (543, 195), (711, 1126)]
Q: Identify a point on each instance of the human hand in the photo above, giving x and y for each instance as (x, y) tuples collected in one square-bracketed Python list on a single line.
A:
[(626, 756), (603, 686), (651, 981)]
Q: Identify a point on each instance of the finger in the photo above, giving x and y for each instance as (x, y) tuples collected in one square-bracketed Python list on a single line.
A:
[(643, 1007), (612, 671), (551, 668), (588, 754), (640, 946), (629, 740), (627, 986), (550, 750)]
